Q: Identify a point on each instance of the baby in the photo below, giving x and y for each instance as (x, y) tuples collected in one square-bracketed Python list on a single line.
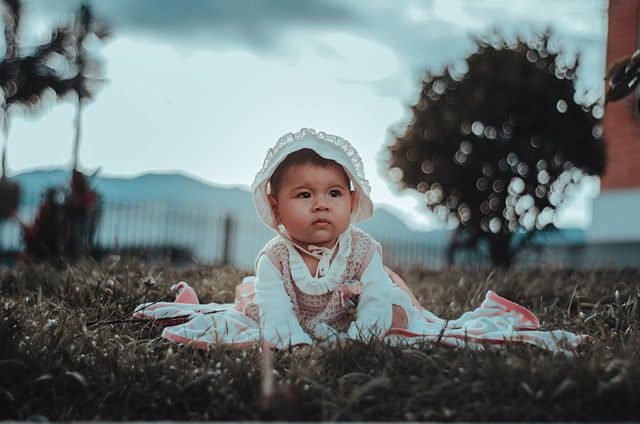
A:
[(322, 278)]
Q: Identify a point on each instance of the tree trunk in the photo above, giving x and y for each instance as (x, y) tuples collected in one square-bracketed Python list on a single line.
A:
[(500, 251), (5, 141), (76, 140)]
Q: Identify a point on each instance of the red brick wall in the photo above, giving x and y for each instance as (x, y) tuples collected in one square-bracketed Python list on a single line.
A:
[(621, 127)]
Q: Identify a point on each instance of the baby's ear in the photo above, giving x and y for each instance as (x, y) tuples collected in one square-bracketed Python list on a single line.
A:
[(354, 198), (274, 205)]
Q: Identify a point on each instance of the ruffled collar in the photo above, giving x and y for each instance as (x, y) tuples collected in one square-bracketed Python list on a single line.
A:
[(320, 285)]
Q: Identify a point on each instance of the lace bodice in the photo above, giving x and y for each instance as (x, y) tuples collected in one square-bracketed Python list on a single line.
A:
[(327, 306)]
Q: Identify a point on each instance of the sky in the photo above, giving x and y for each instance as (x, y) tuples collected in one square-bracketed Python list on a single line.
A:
[(205, 87)]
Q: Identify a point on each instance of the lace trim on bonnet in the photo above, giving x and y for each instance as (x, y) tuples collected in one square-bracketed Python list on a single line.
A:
[(338, 142)]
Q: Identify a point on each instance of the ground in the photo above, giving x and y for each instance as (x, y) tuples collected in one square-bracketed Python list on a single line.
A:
[(70, 351)]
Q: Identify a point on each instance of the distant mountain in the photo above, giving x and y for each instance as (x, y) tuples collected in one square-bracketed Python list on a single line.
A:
[(33, 183), (174, 188), (184, 191)]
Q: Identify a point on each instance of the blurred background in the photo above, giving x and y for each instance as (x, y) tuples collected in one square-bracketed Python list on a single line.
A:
[(138, 126)]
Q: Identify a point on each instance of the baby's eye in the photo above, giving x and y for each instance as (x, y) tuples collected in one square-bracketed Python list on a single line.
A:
[(335, 193), (304, 195)]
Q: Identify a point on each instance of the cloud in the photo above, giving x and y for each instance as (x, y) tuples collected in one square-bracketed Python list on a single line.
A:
[(258, 25), (421, 34)]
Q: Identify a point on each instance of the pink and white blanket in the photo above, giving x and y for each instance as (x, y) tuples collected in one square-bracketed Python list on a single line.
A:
[(495, 322)]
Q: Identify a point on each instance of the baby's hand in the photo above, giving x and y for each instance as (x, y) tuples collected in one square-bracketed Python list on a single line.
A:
[(327, 335), (300, 349), (341, 343)]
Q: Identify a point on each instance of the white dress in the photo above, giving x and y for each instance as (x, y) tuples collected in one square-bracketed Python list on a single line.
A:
[(284, 305)]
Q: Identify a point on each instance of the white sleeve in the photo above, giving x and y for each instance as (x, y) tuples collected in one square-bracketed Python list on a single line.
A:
[(374, 312), (278, 322)]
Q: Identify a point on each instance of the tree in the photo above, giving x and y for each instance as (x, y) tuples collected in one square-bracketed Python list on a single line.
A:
[(49, 72), (25, 79), (57, 67), (497, 142), (89, 70)]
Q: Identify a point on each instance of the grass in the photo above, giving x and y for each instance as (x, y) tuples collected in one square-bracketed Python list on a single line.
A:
[(70, 352)]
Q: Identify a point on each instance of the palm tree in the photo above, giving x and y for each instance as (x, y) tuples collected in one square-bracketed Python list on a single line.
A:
[(9, 191), (82, 204), (89, 70), (25, 79)]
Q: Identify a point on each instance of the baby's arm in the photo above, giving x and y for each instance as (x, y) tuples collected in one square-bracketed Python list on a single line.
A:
[(374, 312), (278, 322)]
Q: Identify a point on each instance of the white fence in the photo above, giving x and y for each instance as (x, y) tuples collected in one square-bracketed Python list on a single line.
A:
[(210, 235)]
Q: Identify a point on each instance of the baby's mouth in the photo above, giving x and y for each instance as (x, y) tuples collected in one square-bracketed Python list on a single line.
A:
[(321, 221)]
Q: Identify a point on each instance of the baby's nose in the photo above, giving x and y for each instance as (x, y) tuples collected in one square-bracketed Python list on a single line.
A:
[(321, 205)]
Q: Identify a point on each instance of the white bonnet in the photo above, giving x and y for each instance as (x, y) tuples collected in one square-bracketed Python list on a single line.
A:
[(329, 147)]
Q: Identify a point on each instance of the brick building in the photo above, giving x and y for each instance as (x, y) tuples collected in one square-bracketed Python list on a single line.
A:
[(616, 211), (622, 121)]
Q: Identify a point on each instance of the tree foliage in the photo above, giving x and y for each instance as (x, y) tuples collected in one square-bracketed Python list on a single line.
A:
[(497, 141), (89, 70), (31, 78), (24, 79)]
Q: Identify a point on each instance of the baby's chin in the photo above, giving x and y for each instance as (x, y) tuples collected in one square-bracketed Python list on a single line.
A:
[(320, 241), (324, 236)]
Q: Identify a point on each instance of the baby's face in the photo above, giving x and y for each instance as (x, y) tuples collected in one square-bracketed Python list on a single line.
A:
[(314, 203)]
